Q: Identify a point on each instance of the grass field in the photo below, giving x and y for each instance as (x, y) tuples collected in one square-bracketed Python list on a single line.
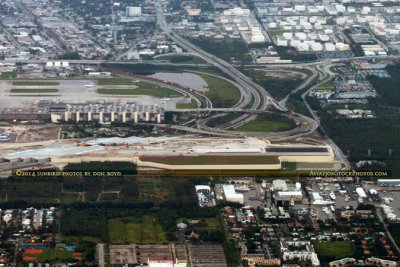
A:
[(52, 255), (140, 230), (335, 250), (182, 59), (49, 90), (38, 83), (229, 50), (224, 119), (115, 81), (222, 93), (8, 75), (143, 89), (278, 87), (192, 104), (77, 239), (154, 187), (69, 197), (267, 123)]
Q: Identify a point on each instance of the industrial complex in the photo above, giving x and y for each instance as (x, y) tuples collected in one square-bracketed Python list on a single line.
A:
[(177, 154)]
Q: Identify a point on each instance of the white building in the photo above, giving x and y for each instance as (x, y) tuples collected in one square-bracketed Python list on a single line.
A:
[(133, 11), (231, 195), (279, 185)]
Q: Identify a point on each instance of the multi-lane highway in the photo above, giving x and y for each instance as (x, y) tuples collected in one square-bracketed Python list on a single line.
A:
[(252, 93), (254, 98)]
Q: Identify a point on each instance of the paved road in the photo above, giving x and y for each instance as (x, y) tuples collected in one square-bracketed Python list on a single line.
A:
[(100, 254), (338, 152), (379, 213), (262, 99), (301, 87)]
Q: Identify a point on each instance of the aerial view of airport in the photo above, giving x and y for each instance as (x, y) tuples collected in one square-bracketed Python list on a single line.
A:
[(199, 133)]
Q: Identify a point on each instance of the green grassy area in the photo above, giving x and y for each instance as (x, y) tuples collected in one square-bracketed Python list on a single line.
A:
[(222, 93), (328, 86), (192, 104), (178, 117), (335, 250), (88, 218), (31, 190), (228, 50), (76, 239), (268, 123), (69, 197), (36, 83), (296, 103), (187, 59), (115, 81), (395, 232), (142, 230), (231, 253), (277, 87), (106, 196), (143, 88), (8, 75), (49, 90), (215, 122), (53, 255)]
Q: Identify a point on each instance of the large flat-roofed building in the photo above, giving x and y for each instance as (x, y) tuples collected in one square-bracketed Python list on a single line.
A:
[(105, 112), (161, 262), (301, 153), (231, 195), (169, 255), (150, 255), (206, 255), (184, 154), (211, 162)]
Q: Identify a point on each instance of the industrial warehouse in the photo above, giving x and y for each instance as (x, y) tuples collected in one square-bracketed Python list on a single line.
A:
[(175, 154)]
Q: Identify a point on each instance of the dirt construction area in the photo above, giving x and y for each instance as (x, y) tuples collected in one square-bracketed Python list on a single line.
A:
[(35, 133)]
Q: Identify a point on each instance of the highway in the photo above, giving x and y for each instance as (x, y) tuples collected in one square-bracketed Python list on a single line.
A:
[(254, 98), (250, 90), (327, 75), (211, 59), (301, 87)]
